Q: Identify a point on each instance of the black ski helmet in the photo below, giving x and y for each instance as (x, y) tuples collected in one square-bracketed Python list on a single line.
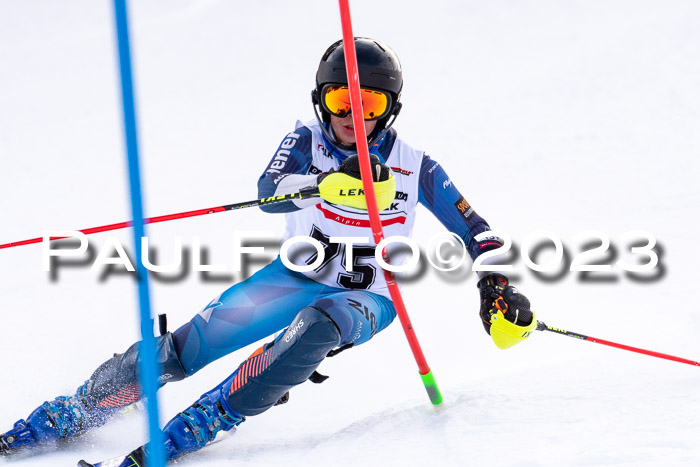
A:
[(378, 67)]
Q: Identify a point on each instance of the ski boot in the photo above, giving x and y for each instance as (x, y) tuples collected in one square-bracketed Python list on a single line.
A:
[(61, 418), (18, 436), (198, 425), (187, 432)]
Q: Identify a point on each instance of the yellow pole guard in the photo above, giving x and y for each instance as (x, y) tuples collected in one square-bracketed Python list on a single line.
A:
[(506, 334), (341, 188)]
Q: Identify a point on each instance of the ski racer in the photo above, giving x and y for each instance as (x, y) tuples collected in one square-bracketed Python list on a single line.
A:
[(319, 311)]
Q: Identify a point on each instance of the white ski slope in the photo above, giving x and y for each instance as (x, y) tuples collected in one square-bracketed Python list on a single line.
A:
[(563, 116)]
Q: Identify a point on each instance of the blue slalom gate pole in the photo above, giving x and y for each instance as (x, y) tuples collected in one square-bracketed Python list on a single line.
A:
[(148, 365)]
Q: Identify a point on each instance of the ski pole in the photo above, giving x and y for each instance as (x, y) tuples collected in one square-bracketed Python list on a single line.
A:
[(303, 194), (543, 327), (375, 223)]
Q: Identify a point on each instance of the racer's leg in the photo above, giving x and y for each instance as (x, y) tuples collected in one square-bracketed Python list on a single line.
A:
[(336, 318), (245, 313), (113, 386)]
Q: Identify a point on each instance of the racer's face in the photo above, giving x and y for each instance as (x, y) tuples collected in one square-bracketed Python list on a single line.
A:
[(344, 129)]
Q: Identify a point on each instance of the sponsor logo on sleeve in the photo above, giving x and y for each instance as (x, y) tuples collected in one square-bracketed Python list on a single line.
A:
[(464, 208), (313, 170), (279, 178), (282, 154)]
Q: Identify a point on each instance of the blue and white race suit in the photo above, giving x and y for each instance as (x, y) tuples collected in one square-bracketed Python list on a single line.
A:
[(358, 300)]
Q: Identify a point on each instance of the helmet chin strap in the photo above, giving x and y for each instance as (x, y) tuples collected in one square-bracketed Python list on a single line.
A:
[(351, 147)]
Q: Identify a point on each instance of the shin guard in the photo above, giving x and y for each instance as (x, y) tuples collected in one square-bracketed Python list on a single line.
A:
[(263, 379)]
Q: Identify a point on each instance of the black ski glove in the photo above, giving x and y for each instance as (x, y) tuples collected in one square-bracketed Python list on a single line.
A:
[(345, 187), (351, 166)]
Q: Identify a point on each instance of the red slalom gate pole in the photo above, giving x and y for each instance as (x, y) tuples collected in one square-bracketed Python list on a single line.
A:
[(375, 223), (543, 327)]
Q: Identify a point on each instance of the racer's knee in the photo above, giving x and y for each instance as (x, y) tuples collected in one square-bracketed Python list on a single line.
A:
[(359, 315)]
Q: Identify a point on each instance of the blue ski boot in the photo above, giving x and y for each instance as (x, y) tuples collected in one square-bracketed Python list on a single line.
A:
[(187, 432), (198, 425), (18, 436), (61, 418)]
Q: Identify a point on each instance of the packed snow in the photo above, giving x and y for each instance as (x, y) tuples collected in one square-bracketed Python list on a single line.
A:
[(567, 117)]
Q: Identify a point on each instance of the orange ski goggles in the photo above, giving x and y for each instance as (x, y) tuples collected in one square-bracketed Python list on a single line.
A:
[(336, 100)]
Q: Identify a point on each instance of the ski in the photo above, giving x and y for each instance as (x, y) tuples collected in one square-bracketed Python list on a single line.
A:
[(135, 458)]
